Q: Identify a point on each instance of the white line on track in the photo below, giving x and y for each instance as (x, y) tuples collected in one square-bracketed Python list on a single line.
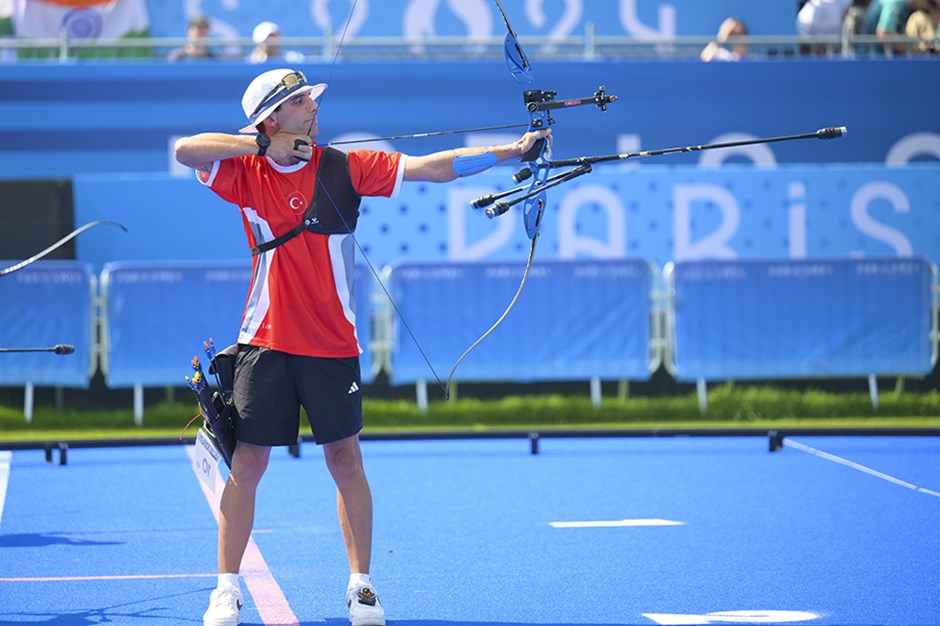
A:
[(858, 466), (47, 579), (5, 457), (623, 523), (269, 598)]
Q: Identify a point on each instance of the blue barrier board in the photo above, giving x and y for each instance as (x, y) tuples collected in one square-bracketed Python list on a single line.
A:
[(573, 320), (45, 304), (774, 319)]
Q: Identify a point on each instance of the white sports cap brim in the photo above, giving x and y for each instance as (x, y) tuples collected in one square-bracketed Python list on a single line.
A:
[(268, 91)]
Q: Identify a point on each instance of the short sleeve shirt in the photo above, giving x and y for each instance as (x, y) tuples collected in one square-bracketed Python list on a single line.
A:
[(885, 15), (301, 298)]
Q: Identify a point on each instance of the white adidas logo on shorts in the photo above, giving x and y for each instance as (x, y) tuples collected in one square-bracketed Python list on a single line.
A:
[(353, 388)]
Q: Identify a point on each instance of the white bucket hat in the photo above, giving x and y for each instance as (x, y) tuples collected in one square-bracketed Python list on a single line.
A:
[(268, 90)]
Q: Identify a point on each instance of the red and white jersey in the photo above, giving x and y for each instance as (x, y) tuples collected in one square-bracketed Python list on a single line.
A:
[(301, 299)]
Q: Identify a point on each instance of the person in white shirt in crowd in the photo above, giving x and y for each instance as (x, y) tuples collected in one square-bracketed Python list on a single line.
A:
[(822, 17), (267, 39)]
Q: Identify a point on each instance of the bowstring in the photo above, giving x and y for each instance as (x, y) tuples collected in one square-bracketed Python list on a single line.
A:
[(349, 230), (388, 294)]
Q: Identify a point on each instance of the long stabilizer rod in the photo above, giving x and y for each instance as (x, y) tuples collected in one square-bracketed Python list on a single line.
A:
[(59, 348), (822, 133)]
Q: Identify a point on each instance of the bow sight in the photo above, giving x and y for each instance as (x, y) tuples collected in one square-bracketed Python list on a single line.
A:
[(541, 100)]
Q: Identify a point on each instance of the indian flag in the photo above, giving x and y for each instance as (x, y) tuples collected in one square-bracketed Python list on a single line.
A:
[(82, 20), (6, 18), (6, 29)]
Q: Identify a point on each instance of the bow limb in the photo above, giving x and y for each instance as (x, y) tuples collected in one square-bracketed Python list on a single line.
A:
[(515, 298), (61, 242), (535, 158)]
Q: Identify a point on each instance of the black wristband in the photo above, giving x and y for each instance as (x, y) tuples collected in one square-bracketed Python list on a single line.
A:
[(263, 142)]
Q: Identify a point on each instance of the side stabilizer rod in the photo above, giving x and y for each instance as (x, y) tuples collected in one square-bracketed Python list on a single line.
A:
[(822, 133)]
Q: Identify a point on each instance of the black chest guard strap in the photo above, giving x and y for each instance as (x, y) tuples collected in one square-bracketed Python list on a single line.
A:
[(335, 193)]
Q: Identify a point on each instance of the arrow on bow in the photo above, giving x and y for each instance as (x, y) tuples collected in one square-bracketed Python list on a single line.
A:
[(61, 242)]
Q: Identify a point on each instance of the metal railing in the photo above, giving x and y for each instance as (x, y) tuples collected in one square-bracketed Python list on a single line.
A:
[(583, 47)]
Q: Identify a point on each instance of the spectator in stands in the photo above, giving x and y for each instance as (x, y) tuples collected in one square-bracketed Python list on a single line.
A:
[(822, 18), (886, 18), (716, 50), (297, 344), (855, 17), (196, 32), (267, 39), (922, 25)]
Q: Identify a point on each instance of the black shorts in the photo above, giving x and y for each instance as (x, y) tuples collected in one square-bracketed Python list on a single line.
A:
[(271, 386)]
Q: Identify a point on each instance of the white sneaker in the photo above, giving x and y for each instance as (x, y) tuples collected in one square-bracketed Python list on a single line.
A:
[(364, 607), (225, 605)]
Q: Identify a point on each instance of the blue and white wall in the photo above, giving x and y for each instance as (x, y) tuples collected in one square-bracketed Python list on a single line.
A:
[(475, 18), (872, 193)]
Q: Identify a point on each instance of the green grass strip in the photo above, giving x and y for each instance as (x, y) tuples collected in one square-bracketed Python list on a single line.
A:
[(729, 406)]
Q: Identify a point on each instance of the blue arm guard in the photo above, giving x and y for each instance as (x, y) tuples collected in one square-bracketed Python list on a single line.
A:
[(474, 164)]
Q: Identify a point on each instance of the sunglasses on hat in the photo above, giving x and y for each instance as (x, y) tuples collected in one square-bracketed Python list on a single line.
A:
[(287, 85)]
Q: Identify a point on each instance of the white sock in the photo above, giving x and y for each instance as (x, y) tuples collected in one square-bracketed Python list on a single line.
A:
[(228, 579), (359, 579)]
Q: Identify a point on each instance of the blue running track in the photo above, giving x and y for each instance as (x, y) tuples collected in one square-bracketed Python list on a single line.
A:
[(829, 530)]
